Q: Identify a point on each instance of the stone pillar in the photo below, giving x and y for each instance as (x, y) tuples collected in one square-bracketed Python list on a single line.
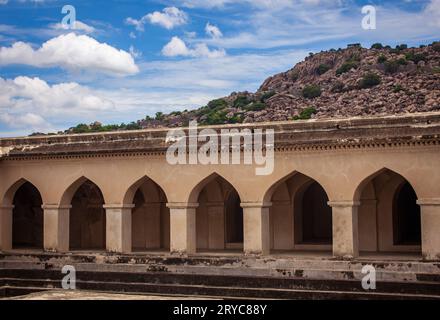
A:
[(183, 228), (56, 227), (256, 227), (216, 225), (430, 216), (6, 228), (345, 228), (118, 227)]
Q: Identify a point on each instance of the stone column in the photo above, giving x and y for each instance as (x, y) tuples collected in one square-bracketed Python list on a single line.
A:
[(118, 227), (345, 228), (216, 225), (6, 228), (183, 228), (430, 216), (256, 227), (56, 227)]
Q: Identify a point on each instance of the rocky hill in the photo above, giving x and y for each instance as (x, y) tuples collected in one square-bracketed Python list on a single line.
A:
[(337, 83)]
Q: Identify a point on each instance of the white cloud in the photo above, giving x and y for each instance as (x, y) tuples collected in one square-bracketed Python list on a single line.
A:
[(134, 52), (73, 52), (77, 26), (33, 104), (213, 31), (177, 47), (3, 2), (432, 10), (169, 18)]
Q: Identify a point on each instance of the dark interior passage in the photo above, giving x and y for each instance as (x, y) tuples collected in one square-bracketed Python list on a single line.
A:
[(87, 218), (27, 218), (316, 216), (406, 217), (234, 218)]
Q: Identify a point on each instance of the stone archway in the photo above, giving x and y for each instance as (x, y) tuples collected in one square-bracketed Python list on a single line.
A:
[(150, 218), (27, 218), (219, 217), (389, 217), (87, 218), (300, 218)]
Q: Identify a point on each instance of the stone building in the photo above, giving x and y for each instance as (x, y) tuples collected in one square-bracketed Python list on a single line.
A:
[(349, 187)]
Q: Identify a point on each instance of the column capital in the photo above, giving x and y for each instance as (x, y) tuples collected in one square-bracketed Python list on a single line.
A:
[(55, 206), (344, 203), (118, 206), (257, 204), (182, 205), (429, 202)]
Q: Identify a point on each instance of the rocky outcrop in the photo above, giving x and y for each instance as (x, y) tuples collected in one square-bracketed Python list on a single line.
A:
[(333, 84)]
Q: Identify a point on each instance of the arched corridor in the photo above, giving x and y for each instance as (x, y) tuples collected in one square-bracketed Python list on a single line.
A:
[(27, 218), (219, 217), (150, 218), (300, 217), (389, 217), (87, 219)]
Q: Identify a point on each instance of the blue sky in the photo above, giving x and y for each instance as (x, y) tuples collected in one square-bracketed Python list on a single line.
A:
[(123, 60)]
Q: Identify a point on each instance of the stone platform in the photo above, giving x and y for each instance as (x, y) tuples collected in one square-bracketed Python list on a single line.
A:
[(223, 275)]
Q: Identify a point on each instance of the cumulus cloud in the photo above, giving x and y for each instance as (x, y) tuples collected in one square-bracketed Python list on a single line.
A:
[(177, 47), (169, 18), (72, 52), (32, 103), (213, 31)]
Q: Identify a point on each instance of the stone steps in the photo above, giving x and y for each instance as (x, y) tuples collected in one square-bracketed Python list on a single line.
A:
[(24, 286), (219, 276), (314, 271), (124, 281)]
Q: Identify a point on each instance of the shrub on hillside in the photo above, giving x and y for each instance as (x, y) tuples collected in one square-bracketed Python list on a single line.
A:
[(323, 68), (306, 114), (267, 95), (382, 59), (255, 106), (241, 102), (369, 80), (415, 57), (391, 66), (347, 66), (311, 91), (217, 104), (377, 46)]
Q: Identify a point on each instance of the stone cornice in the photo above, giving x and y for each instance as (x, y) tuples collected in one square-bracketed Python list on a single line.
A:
[(315, 135)]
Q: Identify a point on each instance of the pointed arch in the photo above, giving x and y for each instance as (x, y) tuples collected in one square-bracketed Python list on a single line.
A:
[(70, 191), (150, 215), (141, 184), (195, 191), (87, 219), (8, 197), (219, 216), (369, 177), (27, 215), (299, 217), (388, 214)]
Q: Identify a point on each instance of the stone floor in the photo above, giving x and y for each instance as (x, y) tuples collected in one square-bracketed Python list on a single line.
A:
[(89, 295)]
